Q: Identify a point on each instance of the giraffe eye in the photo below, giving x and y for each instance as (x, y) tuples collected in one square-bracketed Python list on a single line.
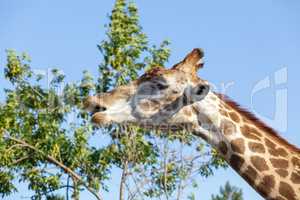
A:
[(200, 90), (161, 86)]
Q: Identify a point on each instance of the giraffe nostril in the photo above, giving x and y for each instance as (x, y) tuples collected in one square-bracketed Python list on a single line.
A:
[(100, 108)]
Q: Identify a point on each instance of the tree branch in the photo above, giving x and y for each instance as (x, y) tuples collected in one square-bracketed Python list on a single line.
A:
[(59, 164), (123, 180)]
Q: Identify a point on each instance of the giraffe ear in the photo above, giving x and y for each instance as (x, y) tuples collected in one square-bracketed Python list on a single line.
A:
[(192, 62)]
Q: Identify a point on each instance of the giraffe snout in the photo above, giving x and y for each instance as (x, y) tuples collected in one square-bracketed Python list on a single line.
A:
[(94, 104)]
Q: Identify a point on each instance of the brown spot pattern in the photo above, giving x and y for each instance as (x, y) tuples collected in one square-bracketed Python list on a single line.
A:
[(287, 191), (295, 177), (259, 163), (223, 112), (256, 132), (246, 131), (227, 127), (252, 119), (238, 145), (278, 152), (256, 147), (279, 163), (234, 117), (275, 151), (250, 175), (296, 161), (187, 112), (266, 185), (270, 144), (283, 173), (236, 161), (195, 110)]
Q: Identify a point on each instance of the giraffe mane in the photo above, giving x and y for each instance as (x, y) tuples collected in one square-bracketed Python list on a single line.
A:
[(256, 121)]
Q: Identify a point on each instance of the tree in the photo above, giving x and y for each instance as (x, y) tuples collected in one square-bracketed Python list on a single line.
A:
[(42, 147), (229, 192)]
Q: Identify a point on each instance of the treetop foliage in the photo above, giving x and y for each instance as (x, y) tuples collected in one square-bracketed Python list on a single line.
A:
[(228, 192), (45, 135)]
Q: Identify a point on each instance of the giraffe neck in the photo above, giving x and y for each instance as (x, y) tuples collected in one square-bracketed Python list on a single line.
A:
[(266, 161)]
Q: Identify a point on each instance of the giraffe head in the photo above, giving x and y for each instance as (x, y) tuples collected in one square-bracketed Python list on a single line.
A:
[(156, 97)]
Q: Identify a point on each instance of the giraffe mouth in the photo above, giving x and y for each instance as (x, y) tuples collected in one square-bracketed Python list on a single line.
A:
[(100, 119), (92, 113)]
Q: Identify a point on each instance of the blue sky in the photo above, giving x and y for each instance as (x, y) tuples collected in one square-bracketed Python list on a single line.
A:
[(245, 42)]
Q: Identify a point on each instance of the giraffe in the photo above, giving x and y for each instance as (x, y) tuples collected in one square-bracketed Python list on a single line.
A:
[(177, 98)]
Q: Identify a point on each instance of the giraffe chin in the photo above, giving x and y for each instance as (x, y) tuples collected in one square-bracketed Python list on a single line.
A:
[(101, 119)]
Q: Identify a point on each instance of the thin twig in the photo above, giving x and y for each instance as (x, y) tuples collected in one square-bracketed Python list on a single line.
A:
[(165, 163), (67, 190), (181, 168), (19, 160), (137, 186)]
